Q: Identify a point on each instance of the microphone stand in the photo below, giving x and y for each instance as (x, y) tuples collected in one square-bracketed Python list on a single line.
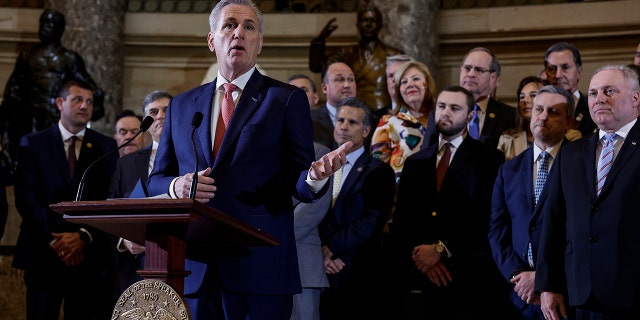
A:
[(144, 126), (195, 123)]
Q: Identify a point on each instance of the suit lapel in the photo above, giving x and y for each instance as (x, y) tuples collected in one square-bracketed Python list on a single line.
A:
[(589, 158), (526, 177), (203, 136), (627, 151), (56, 147), (250, 99), (489, 122), (142, 164), (358, 168)]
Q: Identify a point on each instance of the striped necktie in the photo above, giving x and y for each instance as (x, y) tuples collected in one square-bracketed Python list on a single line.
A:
[(606, 160)]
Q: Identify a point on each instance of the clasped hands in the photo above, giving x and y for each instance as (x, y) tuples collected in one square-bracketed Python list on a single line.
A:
[(321, 169), (427, 260), (68, 247)]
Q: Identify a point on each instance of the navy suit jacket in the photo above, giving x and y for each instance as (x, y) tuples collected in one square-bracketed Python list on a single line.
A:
[(262, 162), (515, 221), (590, 243), (353, 227), (458, 215), (43, 178)]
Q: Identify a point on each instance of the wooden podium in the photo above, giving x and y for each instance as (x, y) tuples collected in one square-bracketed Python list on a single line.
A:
[(161, 224)]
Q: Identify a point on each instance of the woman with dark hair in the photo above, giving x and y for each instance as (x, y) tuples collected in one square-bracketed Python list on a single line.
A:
[(518, 139)]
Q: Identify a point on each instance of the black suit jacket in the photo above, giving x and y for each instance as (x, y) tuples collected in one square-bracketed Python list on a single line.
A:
[(130, 169), (458, 215), (590, 243), (583, 121), (323, 127)]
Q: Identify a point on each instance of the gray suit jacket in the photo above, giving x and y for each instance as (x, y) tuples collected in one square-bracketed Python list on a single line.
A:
[(307, 217)]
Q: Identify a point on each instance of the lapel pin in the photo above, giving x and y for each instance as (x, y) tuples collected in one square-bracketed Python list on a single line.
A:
[(254, 99), (633, 143), (492, 115), (89, 145)]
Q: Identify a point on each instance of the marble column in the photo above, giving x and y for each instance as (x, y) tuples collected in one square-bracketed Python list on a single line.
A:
[(95, 29), (411, 25)]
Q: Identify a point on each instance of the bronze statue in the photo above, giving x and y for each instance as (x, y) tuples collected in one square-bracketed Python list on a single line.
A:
[(367, 58), (30, 94)]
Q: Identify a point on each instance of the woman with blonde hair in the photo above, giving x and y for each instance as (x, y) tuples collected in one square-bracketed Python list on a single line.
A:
[(402, 133)]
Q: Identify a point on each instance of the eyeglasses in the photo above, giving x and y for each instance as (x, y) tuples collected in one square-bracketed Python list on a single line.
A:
[(478, 70)]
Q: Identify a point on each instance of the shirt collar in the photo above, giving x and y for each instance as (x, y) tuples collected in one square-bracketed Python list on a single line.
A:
[(353, 156), (622, 132), (552, 151), (455, 142), (240, 81), (66, 134)]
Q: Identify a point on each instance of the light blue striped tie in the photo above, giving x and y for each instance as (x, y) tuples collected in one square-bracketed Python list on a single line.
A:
[(606, 160)]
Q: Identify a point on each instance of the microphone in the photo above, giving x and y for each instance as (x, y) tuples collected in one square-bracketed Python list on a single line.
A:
[(195, 123), (144, 126)]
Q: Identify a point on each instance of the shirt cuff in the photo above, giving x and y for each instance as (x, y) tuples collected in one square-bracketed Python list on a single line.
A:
[(315, 185), (172, 192)]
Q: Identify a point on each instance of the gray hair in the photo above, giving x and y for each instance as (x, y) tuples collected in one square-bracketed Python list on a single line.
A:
[(568, 97), (215, 13), (153, 96), (630, 75)]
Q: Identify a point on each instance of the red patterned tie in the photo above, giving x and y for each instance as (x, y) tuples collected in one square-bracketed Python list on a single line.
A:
[(71, 155), (443, 165), (226, 111)]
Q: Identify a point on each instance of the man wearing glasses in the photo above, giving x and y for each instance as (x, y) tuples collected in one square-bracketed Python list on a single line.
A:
[(479, 74)]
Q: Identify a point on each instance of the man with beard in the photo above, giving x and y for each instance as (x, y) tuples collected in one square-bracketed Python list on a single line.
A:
[(443, 248)]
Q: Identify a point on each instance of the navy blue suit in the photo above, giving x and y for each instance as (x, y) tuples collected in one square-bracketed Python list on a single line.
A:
[(352, 230), (516, 221), (590, 243), (458, 215), (262, 162), (43, 178)]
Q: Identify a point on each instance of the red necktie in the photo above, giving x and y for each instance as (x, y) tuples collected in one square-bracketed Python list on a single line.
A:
[(443, 165), (226, 111), (71, 155)]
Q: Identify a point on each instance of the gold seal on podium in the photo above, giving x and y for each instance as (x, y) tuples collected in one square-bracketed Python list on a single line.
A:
[(150, 300)]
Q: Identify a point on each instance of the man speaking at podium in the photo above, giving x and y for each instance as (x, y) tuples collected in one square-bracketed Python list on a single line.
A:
[(254, 150)]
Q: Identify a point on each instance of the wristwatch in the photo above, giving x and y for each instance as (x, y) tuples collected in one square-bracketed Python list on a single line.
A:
[(439, 247)]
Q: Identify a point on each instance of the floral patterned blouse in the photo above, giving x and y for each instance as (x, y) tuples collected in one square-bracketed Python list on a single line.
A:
[(397, 137)]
